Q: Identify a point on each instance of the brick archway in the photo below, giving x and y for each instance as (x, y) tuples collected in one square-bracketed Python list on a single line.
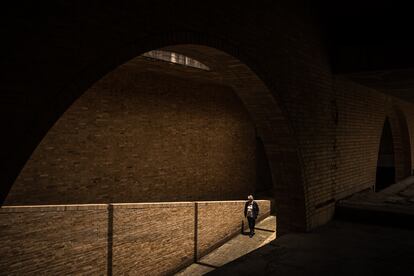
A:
[(272, 126), (234, 69), (402, 148), (400, 143), (385, 175)]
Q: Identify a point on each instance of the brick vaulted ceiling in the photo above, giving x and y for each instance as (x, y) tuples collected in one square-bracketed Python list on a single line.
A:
[(372, 42)]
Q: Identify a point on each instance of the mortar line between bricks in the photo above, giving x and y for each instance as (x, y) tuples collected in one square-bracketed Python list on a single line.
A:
[(195, 230), (110, 238)]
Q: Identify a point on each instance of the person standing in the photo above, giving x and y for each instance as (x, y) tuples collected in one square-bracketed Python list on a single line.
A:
[(251, 211)]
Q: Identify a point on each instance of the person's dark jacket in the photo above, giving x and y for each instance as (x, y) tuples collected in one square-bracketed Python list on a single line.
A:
[(255, 209)]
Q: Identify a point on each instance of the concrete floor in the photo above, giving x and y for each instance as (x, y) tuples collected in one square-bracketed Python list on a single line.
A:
[(397, 198), (233, 249), (373, 234), (338, 248), (393, 206)]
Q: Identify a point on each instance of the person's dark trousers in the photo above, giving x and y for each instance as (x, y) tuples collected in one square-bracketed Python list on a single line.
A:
[(252, 222)]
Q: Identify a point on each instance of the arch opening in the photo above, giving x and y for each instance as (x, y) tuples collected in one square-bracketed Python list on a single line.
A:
[(385, 174), (394, 157), (404, 167)]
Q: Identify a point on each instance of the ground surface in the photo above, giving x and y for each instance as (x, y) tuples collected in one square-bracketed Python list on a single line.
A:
[(398, 198), (338, 248), (378, 242), (374, 235), (235, 248)]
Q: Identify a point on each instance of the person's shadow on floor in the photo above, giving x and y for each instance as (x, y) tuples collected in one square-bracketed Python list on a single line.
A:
[(246, 233)]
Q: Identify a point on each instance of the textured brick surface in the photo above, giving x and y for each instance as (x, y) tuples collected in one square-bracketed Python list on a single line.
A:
[(408, 111), (122, 239), (358, 114), (151, 239), (218, 221), (138, 136), (53, 240)]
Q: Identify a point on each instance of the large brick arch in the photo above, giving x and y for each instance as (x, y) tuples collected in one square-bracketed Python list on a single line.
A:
[(271, 123), (234, 69)]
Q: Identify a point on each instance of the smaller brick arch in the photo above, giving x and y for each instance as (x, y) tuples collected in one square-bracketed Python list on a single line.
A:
[(402, 145), (385, 175), (394, 154)]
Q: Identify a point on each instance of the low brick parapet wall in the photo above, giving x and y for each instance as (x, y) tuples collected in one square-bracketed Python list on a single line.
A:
[(143, 238)]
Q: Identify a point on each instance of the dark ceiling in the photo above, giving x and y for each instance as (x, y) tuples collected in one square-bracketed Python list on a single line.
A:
[(372, 42)]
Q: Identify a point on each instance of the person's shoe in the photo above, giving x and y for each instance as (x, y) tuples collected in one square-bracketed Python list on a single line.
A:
[(250, 235)]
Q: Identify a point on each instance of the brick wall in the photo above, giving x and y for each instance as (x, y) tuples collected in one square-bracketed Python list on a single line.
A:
[(53, 240), (359, 113), (152, 238), (141, 238), (218, 221), (139, 136), (408, 111), (361, 116)]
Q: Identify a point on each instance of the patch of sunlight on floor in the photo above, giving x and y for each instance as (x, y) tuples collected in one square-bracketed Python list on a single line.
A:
[(235, 248)]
